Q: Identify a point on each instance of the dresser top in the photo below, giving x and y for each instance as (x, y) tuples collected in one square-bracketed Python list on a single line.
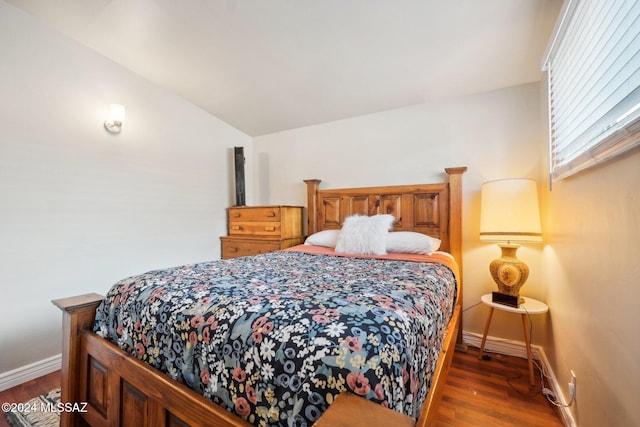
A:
[(263, 206)]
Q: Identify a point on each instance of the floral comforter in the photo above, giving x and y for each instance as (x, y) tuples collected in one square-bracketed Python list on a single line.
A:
[(275, 338)]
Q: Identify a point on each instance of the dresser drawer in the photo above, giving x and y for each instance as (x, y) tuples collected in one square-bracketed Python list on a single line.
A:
[(267, 213), (254, 228), (232, 248)]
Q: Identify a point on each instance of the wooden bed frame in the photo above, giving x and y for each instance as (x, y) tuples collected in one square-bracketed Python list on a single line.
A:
[(121, 390)]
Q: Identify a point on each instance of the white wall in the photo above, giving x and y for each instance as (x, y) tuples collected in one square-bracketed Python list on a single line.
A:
[(592, 265), (496, 135), (81, 208)]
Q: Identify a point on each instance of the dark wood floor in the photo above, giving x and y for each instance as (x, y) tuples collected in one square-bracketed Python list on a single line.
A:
[(493, 392), (478, 393)]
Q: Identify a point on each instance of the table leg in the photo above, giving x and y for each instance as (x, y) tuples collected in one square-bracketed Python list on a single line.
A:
[(486, 331), (527, 342)]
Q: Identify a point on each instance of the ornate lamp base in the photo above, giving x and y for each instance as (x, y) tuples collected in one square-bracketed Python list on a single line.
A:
[(508, 271)]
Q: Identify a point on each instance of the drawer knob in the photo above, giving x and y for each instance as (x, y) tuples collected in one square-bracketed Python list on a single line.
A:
[(236, 227), (271, 214), (269, 228), (236, 214)]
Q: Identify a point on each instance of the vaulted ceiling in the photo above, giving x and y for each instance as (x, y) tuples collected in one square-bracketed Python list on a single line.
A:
[(265, 66)]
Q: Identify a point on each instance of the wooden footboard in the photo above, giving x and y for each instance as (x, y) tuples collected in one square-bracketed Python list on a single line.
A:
[(78, 315), (112, 388)]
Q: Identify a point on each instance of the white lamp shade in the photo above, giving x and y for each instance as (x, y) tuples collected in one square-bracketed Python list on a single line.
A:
[(509, 211)]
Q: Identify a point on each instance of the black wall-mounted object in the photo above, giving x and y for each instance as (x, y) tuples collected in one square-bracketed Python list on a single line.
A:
[(239, 174)]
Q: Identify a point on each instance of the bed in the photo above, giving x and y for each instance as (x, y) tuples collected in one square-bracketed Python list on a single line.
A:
[(314, 356)]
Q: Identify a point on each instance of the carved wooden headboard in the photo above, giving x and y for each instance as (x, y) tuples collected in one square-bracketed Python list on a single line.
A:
[(433, 209)]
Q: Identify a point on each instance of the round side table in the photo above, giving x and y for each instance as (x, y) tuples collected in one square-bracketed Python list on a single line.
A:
[(530, 306)]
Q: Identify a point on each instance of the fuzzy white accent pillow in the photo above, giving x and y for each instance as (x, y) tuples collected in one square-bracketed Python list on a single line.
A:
[(412, 243), (327, 238), (366, 235)]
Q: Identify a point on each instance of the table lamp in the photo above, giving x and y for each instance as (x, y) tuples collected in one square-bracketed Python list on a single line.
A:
[(509, 214)]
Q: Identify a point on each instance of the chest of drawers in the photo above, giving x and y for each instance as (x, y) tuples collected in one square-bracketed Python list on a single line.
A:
[(255, 230)]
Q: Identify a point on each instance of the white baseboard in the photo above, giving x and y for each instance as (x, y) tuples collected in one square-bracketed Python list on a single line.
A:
[(30, 372), (518, 349), (501, 345)]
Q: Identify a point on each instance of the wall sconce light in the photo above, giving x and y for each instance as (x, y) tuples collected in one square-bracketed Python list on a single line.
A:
[(116, 117)]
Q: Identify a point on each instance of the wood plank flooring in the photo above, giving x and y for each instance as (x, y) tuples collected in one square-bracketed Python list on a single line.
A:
[(494, 393), (478, 393)]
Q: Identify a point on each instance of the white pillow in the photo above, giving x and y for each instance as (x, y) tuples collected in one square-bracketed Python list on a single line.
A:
[(327, 238), (365, 234), (412, 243)]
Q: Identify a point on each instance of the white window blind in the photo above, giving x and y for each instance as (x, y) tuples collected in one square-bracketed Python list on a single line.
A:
[(593, 66)]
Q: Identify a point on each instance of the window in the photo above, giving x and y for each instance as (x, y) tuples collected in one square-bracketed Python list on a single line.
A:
[(593, 66)]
